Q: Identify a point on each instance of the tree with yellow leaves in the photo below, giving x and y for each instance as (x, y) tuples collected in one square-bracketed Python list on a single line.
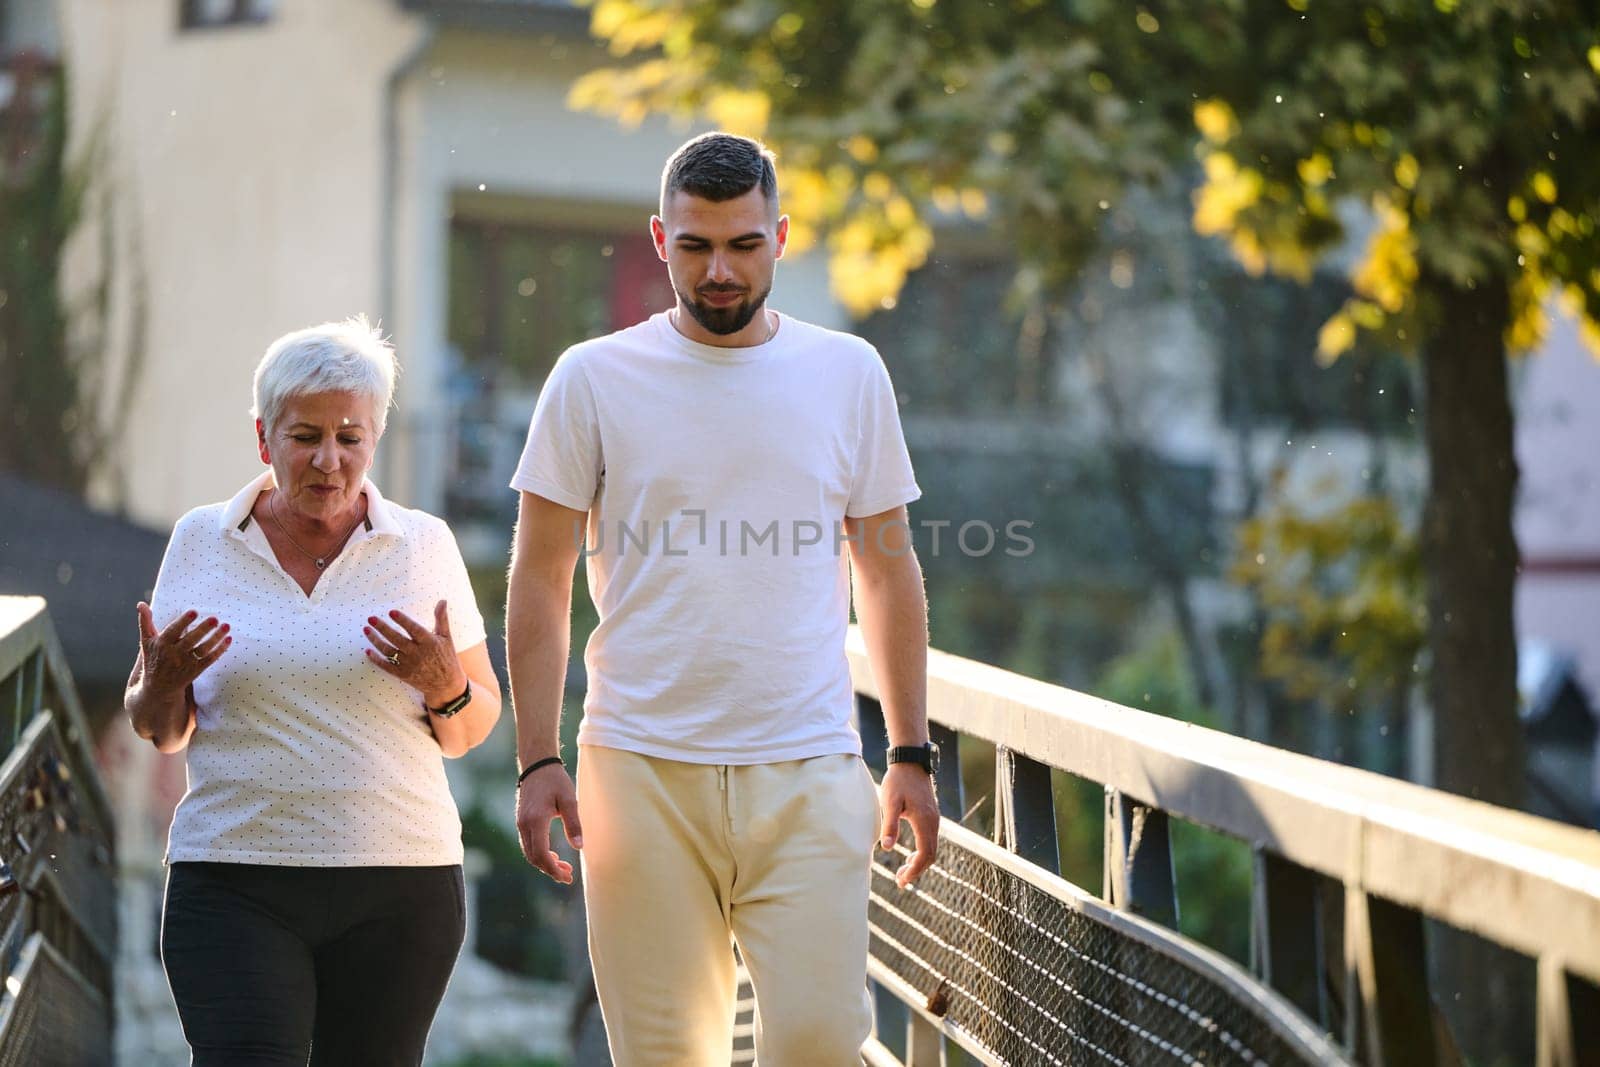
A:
[(1453, 130), (1458, 126)]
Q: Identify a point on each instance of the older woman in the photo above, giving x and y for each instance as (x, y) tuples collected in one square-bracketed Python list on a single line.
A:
[(315, 649)]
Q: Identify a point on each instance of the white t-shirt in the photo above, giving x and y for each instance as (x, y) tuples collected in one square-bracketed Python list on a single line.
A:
[(706, 471), (304, 753)]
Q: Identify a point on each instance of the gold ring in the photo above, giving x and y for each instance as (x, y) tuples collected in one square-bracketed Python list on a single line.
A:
[(394, 658)]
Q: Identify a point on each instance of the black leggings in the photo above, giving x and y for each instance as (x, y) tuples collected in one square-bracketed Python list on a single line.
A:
[(326, 965)]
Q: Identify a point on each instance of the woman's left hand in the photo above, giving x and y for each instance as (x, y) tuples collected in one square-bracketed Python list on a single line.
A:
[(424, 659)]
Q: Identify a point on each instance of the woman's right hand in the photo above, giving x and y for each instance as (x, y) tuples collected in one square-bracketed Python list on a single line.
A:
[(171, 659)]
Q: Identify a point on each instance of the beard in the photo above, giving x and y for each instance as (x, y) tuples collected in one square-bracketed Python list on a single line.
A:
[(723, 321)]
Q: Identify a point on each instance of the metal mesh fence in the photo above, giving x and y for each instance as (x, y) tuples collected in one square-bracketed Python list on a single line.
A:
[(57, 910), (55, 1017), (44, 825), (1034, 979)]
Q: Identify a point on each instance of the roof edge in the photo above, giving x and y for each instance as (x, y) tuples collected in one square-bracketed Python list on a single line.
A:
[(519, 16)]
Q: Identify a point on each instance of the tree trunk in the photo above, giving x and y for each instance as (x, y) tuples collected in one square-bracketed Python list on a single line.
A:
[(1468, 546), (1469, 552)]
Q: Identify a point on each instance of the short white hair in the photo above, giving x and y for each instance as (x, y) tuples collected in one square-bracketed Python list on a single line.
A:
[(337, 357)]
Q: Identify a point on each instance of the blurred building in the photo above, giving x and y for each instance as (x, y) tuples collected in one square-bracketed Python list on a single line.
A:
[(1558, 593), (1559, 723), (268, 164), (1558, 513)]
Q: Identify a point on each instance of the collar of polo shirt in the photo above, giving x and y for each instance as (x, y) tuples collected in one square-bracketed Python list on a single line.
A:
[(380, 520)]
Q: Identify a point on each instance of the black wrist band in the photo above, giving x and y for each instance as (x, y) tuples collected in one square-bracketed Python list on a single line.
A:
[(451, 708), (541, 763)]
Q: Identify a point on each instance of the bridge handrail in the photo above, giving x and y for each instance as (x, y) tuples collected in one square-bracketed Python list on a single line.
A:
[(1528, 883), (26, 630), (1149, 959), (58, 905)]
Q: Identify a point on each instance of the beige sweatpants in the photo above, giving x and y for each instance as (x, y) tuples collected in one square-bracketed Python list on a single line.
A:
[(681, 860)]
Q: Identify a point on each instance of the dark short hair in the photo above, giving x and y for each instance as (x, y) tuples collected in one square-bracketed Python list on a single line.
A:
[(720, 166)]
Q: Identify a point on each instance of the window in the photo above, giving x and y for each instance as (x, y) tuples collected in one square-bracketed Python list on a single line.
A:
[(521, 294), (29, 27), (201, 14), (29, 88)]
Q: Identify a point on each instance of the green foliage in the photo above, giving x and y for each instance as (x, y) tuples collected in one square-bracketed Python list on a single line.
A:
[(61, 406), (40, 416), (1154, 678), (1461, 123), (1213, 872), (519, 910), (1458, 122), (516, 908), (1342, 592), (1080, 829), (887, 112)]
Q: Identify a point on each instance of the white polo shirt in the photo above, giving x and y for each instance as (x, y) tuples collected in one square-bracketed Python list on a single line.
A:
[(304, 753)]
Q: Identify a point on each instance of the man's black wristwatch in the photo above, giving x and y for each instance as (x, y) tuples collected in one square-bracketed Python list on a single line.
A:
[(454, 707), (924, 756)]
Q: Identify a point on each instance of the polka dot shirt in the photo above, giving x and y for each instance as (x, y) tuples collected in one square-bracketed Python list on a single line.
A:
[(304, 753)]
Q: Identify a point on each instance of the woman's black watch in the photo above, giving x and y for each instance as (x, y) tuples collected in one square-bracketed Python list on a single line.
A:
[(924, 756), (453, 708)]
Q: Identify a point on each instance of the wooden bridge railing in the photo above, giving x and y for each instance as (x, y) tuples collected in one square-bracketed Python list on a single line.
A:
[(1349, 869), (58, 921)]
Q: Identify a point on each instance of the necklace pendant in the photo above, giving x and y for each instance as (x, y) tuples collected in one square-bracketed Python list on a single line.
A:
[(321, 563)]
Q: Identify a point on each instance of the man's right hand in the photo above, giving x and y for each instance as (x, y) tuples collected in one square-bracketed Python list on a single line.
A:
[(544, 795)]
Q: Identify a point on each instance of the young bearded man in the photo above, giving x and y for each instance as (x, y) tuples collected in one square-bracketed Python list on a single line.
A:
[(719, 457)]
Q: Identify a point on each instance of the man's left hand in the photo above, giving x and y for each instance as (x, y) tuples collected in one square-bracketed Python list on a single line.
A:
[(907, 793)]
